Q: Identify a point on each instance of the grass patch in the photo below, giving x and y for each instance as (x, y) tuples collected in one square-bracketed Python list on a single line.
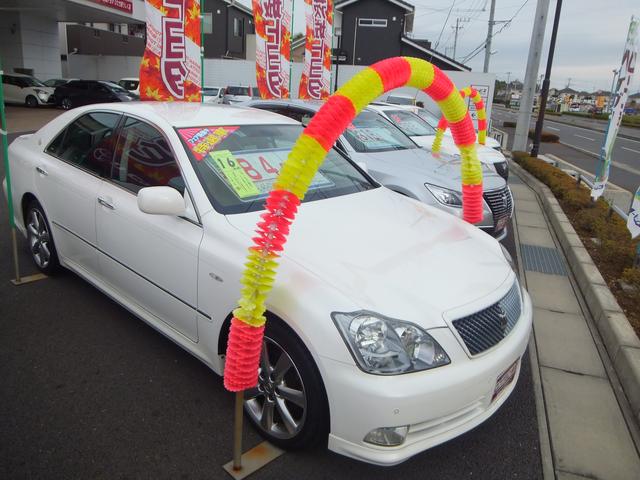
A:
[(604, 234)]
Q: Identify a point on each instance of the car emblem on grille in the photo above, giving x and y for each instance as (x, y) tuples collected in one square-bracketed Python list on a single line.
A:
[(502, 318), (505, 200)]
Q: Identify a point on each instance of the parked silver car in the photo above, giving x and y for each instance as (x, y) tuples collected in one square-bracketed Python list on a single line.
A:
[(392, 158)]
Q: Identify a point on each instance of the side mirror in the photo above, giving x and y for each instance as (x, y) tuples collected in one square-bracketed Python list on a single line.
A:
[(160, 201), (363, 166)]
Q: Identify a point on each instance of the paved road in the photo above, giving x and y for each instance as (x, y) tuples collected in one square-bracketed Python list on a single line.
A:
[(90, 391), (625, 169)]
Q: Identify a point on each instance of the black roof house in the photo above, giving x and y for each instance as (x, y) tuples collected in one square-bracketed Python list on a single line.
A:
[(372, 30)]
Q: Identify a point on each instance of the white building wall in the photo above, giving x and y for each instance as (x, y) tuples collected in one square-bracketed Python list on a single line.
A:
[(40, 46), (10, 48)]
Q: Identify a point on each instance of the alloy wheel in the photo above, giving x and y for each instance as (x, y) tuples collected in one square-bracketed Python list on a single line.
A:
[(39, 239), (66, 104), (278, 404)]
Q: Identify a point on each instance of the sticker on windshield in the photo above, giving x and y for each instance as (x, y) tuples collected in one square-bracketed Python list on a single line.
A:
[(373, 138), (227, 167), (201, 141), (259, 169)]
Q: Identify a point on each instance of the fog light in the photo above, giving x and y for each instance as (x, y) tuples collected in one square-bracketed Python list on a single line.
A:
[(387, 436)]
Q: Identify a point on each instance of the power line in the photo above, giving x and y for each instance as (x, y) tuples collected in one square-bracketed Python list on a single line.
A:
[(507, 23), (445, 24)]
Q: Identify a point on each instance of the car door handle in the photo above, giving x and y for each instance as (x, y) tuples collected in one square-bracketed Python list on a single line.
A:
[(42, 171), (104, 203)]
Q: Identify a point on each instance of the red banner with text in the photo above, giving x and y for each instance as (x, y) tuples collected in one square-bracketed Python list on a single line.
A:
[(171, 66), (315, 82), (272, 20)]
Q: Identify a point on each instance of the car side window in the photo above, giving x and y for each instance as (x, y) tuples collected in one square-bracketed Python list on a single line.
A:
[(88, 142), (144, 159)]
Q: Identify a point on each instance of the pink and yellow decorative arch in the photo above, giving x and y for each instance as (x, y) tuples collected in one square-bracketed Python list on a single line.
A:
[(290, 187), (482, 119)]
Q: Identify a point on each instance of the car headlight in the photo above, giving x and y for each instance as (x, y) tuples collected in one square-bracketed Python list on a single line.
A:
[(445, 196), (40, 93), (385, 346)]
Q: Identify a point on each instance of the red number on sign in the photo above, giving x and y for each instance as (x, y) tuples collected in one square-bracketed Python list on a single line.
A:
[(252, 172), (267, 167)]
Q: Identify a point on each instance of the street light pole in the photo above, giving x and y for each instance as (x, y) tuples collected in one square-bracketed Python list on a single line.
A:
[(544, 93), (487, 45)]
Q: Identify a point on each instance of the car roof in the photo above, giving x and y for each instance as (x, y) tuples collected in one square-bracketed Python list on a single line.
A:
[(18, 75), (193, 114), (131, 78), (309, 105)]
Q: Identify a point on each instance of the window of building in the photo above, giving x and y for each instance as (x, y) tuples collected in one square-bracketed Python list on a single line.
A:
[(96, 33), (238, 27), (372, 22), (207, 23)]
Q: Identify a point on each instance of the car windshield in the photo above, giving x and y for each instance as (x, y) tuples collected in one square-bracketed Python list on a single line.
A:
[(410, 123), (30, 82), (114, 87), (238, 91), (129, 84), (428, 117), (237, 165), (210, 91), (370, 132)]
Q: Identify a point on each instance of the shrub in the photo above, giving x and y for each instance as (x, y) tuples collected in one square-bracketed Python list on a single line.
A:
[(614, 251), (546, 137)]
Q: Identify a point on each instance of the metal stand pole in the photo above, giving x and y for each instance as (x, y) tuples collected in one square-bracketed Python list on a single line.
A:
[(237, 431), (544, 92), (14, 243)]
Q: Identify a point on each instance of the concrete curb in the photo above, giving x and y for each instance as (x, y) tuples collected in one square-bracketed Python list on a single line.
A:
[(621, 342)]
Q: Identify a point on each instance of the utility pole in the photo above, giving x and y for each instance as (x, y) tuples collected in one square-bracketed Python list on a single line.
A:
[(487, 45), (455, 38), (520, 140), (544, 93)]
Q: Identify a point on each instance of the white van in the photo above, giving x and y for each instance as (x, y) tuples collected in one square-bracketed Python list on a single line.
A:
[(25, 90)]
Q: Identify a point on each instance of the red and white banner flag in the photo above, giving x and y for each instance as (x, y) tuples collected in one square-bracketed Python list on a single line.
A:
[(272, 19), (171, 66), (316, 73)]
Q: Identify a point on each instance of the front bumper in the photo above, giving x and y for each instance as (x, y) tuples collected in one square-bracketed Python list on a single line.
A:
[(438, 405)]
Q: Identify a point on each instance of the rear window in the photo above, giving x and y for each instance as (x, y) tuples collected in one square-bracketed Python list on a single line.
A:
[(237, 165), (370, 132), (238, 91)]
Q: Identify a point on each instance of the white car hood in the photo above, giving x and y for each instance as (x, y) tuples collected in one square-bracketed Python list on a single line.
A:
[(391, 254), (486, 154)]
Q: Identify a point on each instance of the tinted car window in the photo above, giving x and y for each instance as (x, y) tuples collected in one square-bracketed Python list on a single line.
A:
[(129, 84), (88, 142), (144, 158), (78, 85), (238, 91)]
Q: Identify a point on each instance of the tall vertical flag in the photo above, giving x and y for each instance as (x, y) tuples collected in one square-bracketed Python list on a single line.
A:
[(272, 19), (315, 82), (619, 99), (633, 221), (171, 66)]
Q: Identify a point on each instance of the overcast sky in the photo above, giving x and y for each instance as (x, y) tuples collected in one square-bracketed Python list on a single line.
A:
[(590, 40)]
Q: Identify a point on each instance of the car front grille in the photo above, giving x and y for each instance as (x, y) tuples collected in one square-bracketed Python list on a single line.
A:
[(486, 328), (500, 202)]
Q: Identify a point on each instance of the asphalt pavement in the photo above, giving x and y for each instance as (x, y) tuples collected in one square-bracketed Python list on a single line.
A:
[(581, 146), (90, 391)]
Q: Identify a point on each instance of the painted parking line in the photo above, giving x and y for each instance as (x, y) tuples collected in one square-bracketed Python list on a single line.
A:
[(586, 138), (630, 150), (554, 128)]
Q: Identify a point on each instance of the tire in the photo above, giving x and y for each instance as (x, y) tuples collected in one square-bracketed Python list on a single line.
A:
[(268, 405), (31, 101), (41, 246), (66, 103)]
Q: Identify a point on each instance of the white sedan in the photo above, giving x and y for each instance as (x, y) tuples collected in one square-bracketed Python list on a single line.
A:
[(393, 326)]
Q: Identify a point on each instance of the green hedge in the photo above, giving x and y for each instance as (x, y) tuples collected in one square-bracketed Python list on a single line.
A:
[(613, 250)]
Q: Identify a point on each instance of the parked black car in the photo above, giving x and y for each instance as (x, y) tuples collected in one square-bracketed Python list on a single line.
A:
[(84, 92)]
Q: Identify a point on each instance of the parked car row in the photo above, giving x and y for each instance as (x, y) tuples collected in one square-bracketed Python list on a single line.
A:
[(393, 326)]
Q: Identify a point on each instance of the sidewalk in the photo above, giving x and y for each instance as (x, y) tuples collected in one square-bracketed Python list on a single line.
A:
[(580, 415)]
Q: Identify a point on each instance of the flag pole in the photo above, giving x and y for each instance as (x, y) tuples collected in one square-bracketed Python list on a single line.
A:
[(5, 154), (202, 49)]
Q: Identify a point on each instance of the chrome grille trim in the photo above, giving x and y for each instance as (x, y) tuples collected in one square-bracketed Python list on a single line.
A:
[(500, 202), (486, 328)]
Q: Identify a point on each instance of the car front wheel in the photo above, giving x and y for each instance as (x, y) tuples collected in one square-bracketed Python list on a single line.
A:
[(289, 405), (41, 246), (31, 101), (66, 104)]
